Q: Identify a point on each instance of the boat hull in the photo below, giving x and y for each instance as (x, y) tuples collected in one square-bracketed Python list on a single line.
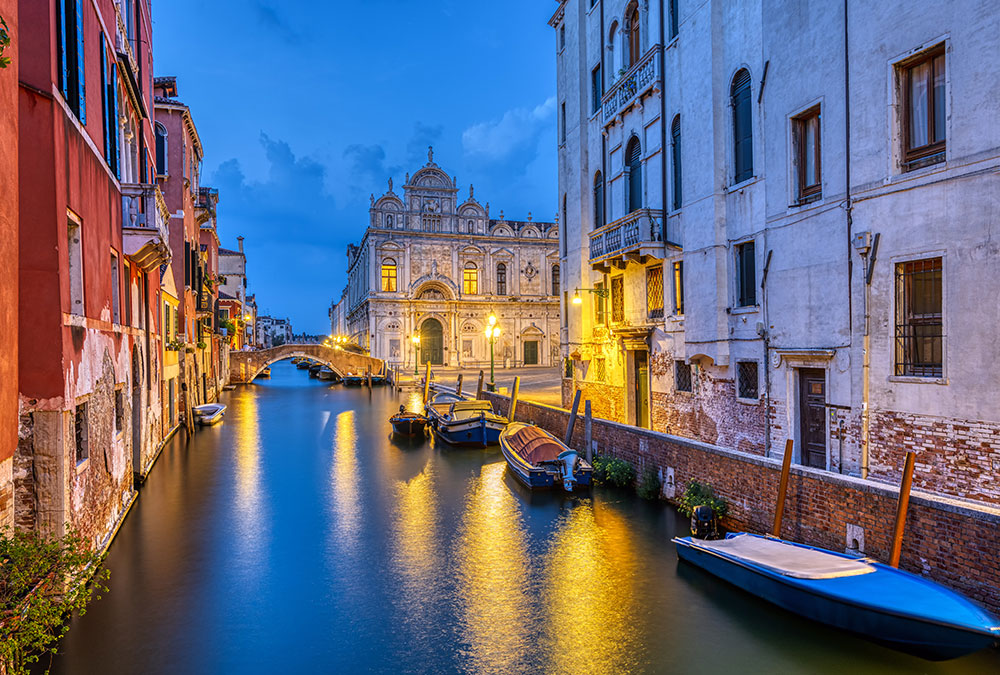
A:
[(469, 433), (542, 477), (408, 426), (207, 416), (807, 597)]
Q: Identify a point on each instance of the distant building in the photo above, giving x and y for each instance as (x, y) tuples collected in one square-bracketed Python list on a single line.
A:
[(272, 332), (233, 292), (432, 266)]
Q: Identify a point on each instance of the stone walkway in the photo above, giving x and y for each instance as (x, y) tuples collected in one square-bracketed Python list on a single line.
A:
[(541, 385)]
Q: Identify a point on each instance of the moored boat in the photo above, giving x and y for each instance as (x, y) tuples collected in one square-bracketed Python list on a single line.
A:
[(540, 460), (876, 601), (266, 373), (325, 373), (303, 364), (408, 423), (315, 368), (352, 380), (470, 423), (210, 413)]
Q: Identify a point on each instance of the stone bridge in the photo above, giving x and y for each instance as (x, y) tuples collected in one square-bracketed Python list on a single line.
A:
[(245, 366)]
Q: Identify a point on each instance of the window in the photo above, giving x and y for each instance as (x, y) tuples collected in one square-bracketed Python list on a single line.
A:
[(555, 280), (119, 410), (805, 128), (596, 89), (388, 275), (633, 174), (127, 292), (654, 292), (470, 279), (617, 299), (161, 150), (611, 50), (116, 305), (919, 319), (562, 37), (75, 250), (69, 36), (675, 159), (746, 291), (563, 225), (674, 19), (562, 122), (109, 107), (742, 127), (81, 432), (923, 85), (679, 288), (746, 374), (171, 401), (682, 376), (632, 22), (501, 279), (600, 369), (598, 200), (466, 349)]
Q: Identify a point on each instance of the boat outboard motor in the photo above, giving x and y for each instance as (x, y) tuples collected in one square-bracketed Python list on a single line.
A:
[(568, 459), (703, 523)]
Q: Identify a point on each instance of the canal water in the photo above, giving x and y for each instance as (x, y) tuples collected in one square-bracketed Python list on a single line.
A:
[(297, 537)]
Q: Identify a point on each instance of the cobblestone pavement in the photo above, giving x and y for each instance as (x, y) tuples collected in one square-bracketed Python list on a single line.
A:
[(542, 385)]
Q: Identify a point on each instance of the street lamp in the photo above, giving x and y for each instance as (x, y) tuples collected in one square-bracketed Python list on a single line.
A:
[(492, 333), (416, 354), (600, 292)]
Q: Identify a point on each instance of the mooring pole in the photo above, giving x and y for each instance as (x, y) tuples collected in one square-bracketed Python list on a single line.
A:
[(901, 506), (458, 387), (513, 399), (368, 373), (786, 467), (479, 388), (588, 432), (572, 417), (427, 383)]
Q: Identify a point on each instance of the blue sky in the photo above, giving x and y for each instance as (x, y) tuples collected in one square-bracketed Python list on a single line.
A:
[(305, 107)]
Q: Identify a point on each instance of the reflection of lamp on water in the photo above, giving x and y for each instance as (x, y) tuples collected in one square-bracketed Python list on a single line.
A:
[(492, 333), (416, 354)]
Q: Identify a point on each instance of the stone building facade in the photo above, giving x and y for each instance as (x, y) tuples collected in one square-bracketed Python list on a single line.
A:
[(785, 235), (434, 266)]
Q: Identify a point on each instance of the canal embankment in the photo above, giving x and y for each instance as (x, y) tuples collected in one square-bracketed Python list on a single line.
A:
[(951, 541)]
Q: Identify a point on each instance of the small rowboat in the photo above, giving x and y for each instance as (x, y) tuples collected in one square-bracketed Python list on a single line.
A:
[(208, 414), (876, 601), (304, 364), (408, 423), (353, 380), (469, 423), (314, 369), (540, 460), (266, 373), (325, 373)]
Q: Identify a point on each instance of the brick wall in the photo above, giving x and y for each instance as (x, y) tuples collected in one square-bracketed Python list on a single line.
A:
[(955, 543)]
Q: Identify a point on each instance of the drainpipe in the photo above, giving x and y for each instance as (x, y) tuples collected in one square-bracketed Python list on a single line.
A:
[(663, 123), (765, 333), (604, 137)]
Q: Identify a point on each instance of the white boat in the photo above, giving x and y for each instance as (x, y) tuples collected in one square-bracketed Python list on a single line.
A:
[(210, 413)]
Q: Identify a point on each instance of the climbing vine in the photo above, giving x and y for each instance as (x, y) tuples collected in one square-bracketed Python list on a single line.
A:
[(4, 43)]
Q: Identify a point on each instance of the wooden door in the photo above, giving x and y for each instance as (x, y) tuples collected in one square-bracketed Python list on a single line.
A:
[(642, 389), (531, 352), (432, 342), (812, 416)]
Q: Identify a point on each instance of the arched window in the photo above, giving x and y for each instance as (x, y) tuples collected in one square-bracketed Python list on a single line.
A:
[(598, 200), (675, 159), (470, 279), (612, 59), (632, 25), (742, 127), (555, 279), (633, 157), (501, 279), (161, 150), (388, 275)]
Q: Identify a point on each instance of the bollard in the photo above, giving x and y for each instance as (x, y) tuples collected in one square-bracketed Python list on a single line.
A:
[(572, 417), (588, 432), (513, 399), (779, 510), (901, 506), (479, 388), (458, 387)]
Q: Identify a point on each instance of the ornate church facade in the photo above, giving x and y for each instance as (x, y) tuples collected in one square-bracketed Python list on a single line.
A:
[(431, 266)]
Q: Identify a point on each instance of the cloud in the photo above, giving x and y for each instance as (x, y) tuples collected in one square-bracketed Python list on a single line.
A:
[(424, 135), (367, 163), (514, 135), (269, 18)]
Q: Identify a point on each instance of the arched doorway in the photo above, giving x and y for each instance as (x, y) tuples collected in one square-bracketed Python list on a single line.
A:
[(432, 342)]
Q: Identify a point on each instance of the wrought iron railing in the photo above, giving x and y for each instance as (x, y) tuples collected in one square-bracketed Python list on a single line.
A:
[(632, 84), (637, 228)]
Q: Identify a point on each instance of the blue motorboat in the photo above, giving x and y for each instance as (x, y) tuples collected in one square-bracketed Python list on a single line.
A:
[(470, 423), (860, 595), (540, 460)]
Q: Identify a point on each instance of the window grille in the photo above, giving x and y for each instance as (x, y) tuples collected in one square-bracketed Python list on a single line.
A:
[(81, 432), (746, 372), (919, 324), (600, 370), (654, 292), (682, 376), (617, 299)]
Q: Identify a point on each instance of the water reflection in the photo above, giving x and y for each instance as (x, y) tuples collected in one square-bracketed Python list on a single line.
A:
[(493, 578), (416, 555), (247, 450), (589, 592), (346, 504)]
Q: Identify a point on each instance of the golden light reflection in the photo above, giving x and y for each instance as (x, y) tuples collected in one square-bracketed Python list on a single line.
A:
[(493, 578), (346, 504), (589, 592), (416, 555), (247, 458), (415, 402)]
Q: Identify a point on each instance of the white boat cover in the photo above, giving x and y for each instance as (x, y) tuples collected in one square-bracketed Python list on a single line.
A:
[(787, 559)]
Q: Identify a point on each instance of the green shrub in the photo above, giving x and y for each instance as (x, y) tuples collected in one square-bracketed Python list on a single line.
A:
[(613, 471), (698, 494), (649, 484)]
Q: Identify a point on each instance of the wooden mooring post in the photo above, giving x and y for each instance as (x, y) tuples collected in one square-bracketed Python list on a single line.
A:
[(572, 417), (479, 387), (779, 510), (588, 432), (513, 399), (901, 507), (368, 374), (458, 387), (427, 383)]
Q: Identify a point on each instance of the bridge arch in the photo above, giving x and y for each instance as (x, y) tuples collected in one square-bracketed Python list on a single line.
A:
[(246, 366)]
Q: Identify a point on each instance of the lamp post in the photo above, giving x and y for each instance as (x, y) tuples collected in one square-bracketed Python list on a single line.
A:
[(492, 333), (416, 354)]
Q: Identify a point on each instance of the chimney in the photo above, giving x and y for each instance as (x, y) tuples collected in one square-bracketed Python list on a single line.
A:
[(240, 240)]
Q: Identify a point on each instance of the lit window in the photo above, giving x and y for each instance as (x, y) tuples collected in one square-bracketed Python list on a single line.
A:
[(679, 288), (600, 303), (388, 275), (617, 299), (470, 279)]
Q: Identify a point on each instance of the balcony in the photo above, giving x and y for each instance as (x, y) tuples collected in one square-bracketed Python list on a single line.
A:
[(632, 86), (636, 237), (145, 218)]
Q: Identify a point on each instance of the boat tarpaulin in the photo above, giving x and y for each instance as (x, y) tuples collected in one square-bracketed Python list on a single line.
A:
[(534, 445), (788, 559)]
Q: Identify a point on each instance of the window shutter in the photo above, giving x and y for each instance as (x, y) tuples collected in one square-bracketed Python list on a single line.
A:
[(113, 122), (80, 63), (62, 28), (675, 134), (104, 97)]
